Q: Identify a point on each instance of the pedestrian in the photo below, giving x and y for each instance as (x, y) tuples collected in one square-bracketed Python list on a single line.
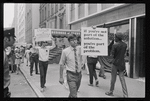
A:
[(65, 72), (103, 61), (17, 59), (9, 40), (27, 52), (43, 52), (72, 59), (33, 60), (11, 56), (118, 52), (91, 62), (22, 52)]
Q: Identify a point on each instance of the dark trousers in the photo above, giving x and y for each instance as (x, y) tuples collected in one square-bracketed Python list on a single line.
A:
[(7, 94), (34, 60), (74, 80), (92, 72), (43, 70), (122, 80)]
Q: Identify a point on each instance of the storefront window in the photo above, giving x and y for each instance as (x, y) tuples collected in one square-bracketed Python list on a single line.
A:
[(124, 29)]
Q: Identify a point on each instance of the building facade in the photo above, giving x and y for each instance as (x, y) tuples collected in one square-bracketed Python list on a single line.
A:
[(21, 23), (32, 21), (28, 21), (126, 18), (53, 15), (35, 19), (16, 21)]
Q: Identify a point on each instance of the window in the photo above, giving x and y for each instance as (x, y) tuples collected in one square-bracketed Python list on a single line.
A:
[(81, 10), (124, 29), (92, 8), (61, 23), (40, 16), (45, 13), (48, 10), (52, 9), (72, 9), (56, 8), (61, 6), (105, 6)]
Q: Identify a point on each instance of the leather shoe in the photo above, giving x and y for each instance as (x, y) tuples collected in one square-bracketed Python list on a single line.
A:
[(37, 73), (104, 77), (31, 75), (97, 83), (110, 93), (90, 84)]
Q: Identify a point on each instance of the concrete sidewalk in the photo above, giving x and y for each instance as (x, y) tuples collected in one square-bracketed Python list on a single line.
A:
[(55, 89)]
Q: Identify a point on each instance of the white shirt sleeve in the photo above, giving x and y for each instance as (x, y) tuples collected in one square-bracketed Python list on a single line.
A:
[(51, 47)]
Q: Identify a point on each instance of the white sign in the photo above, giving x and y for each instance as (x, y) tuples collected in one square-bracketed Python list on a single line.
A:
[(42, 34), (94, 41)]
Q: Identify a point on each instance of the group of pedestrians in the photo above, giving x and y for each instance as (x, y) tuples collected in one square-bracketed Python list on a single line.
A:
[(72, 61), (15, 58)]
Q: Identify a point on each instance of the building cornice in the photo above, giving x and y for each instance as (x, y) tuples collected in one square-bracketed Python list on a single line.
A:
[(97, 13)]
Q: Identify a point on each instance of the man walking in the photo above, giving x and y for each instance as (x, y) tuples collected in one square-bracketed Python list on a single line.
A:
[(33, 60), (118, 53), (91, 62), (43, 52), (72, 59), (9, 40)]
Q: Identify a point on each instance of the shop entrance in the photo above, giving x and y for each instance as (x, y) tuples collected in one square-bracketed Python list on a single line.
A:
[(140, 46)]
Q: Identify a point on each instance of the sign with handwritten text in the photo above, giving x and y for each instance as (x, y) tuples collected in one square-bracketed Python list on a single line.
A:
[(94, 41)]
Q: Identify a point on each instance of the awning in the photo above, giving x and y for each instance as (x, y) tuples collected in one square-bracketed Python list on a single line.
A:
[(62, 34)]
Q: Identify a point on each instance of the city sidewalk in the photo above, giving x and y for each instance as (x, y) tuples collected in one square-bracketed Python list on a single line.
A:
[(55, 89)]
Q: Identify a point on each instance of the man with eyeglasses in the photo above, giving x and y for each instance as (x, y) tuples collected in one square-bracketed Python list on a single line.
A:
[(9, 40), (71, 59)]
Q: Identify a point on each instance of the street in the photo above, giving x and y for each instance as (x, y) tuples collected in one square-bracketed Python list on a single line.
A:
[(55, 89)]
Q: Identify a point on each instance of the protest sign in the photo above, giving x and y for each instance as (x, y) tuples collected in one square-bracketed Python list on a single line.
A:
[(42, 34), (94, 41)]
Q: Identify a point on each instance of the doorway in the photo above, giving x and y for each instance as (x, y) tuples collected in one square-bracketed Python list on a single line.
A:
[(140, 46)]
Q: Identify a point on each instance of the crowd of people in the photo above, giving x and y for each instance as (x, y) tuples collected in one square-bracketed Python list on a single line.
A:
[(71, 60)]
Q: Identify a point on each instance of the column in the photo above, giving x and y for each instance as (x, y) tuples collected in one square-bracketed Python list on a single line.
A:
[(76, 12), (86, 9)]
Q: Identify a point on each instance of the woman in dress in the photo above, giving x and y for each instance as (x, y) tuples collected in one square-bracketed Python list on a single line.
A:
[(17, 60)]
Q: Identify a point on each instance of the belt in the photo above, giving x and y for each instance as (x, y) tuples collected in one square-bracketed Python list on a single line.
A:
[(77, 73), (92, 57)]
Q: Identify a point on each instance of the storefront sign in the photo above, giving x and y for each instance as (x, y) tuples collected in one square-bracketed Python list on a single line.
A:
[(94, 41), (42, 34)]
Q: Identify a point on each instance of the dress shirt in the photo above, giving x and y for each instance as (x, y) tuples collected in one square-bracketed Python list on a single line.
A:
[(68, 58), (93, 56)]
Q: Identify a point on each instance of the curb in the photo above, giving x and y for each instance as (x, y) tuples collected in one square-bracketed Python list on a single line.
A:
[(30, 82)]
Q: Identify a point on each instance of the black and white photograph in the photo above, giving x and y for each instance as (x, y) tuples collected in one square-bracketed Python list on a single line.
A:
[(74, 50)]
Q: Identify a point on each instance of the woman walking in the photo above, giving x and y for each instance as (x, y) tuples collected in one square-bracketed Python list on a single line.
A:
[(27, 56), (17, 60)]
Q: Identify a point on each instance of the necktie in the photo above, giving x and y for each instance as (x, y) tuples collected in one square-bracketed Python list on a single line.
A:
[(76, 62)]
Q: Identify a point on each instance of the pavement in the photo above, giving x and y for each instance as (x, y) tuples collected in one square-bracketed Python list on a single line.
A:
[(136, 88), (19, 86)]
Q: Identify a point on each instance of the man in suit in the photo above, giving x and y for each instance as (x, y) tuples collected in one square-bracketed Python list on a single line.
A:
[(118, 52)]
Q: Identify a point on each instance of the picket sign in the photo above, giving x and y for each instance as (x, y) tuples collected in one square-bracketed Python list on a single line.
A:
[(94, 41)]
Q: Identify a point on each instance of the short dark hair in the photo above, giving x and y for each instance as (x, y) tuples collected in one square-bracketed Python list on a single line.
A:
[(78, 37), (119, 36), (71, 36)]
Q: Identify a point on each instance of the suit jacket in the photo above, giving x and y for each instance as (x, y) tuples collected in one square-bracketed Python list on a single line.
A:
[(118, 52)]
